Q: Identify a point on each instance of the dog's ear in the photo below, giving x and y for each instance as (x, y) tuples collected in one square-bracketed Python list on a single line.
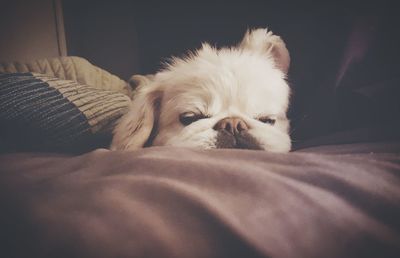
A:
[(138, 126), (136, 80), (264, 41)]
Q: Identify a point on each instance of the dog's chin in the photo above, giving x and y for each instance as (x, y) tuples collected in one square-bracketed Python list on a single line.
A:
[(211, 139), (243, 140)]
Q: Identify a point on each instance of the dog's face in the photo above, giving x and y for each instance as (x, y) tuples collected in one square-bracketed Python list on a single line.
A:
[(228, 98)]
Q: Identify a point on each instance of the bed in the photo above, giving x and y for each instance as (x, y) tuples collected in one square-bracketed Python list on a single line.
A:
[(336, 195)]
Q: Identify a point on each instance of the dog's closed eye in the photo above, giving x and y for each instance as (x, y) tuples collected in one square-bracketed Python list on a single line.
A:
[(267, 120), (187, 118)]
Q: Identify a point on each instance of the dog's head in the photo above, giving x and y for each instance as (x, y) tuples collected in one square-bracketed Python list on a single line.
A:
[(214, 98)]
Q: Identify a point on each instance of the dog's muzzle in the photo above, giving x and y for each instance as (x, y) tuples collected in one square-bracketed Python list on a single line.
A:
[(233, 133)]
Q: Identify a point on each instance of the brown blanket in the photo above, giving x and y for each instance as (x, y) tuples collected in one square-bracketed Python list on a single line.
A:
[(329, 201)]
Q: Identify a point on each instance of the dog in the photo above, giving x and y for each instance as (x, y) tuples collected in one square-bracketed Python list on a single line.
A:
[(233, 97)]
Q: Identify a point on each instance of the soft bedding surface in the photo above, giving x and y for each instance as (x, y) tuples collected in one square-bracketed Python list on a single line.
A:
[(326, 201)]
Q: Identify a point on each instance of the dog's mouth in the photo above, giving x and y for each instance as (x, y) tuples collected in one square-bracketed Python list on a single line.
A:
[(242, 140)]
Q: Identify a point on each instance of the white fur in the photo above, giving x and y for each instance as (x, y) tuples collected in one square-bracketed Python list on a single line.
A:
[(247, 81)]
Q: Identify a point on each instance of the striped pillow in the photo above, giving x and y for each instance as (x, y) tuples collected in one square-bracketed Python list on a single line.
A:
[(42, 113)]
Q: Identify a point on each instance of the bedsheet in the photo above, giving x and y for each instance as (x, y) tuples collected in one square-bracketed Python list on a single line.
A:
[(322, 201)]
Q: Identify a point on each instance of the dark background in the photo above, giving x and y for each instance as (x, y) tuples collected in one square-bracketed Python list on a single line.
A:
[(336, 49)]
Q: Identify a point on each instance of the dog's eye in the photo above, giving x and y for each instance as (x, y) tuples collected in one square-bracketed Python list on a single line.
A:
[(267, 120), (189, 117)]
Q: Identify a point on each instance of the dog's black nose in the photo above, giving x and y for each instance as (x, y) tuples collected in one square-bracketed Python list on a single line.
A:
[(234, 125)]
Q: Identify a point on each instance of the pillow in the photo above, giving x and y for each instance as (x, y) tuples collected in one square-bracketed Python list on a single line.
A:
[(44, 113), (70, 68)]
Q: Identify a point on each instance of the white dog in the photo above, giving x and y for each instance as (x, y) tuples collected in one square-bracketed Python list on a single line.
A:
[(214, 98)]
